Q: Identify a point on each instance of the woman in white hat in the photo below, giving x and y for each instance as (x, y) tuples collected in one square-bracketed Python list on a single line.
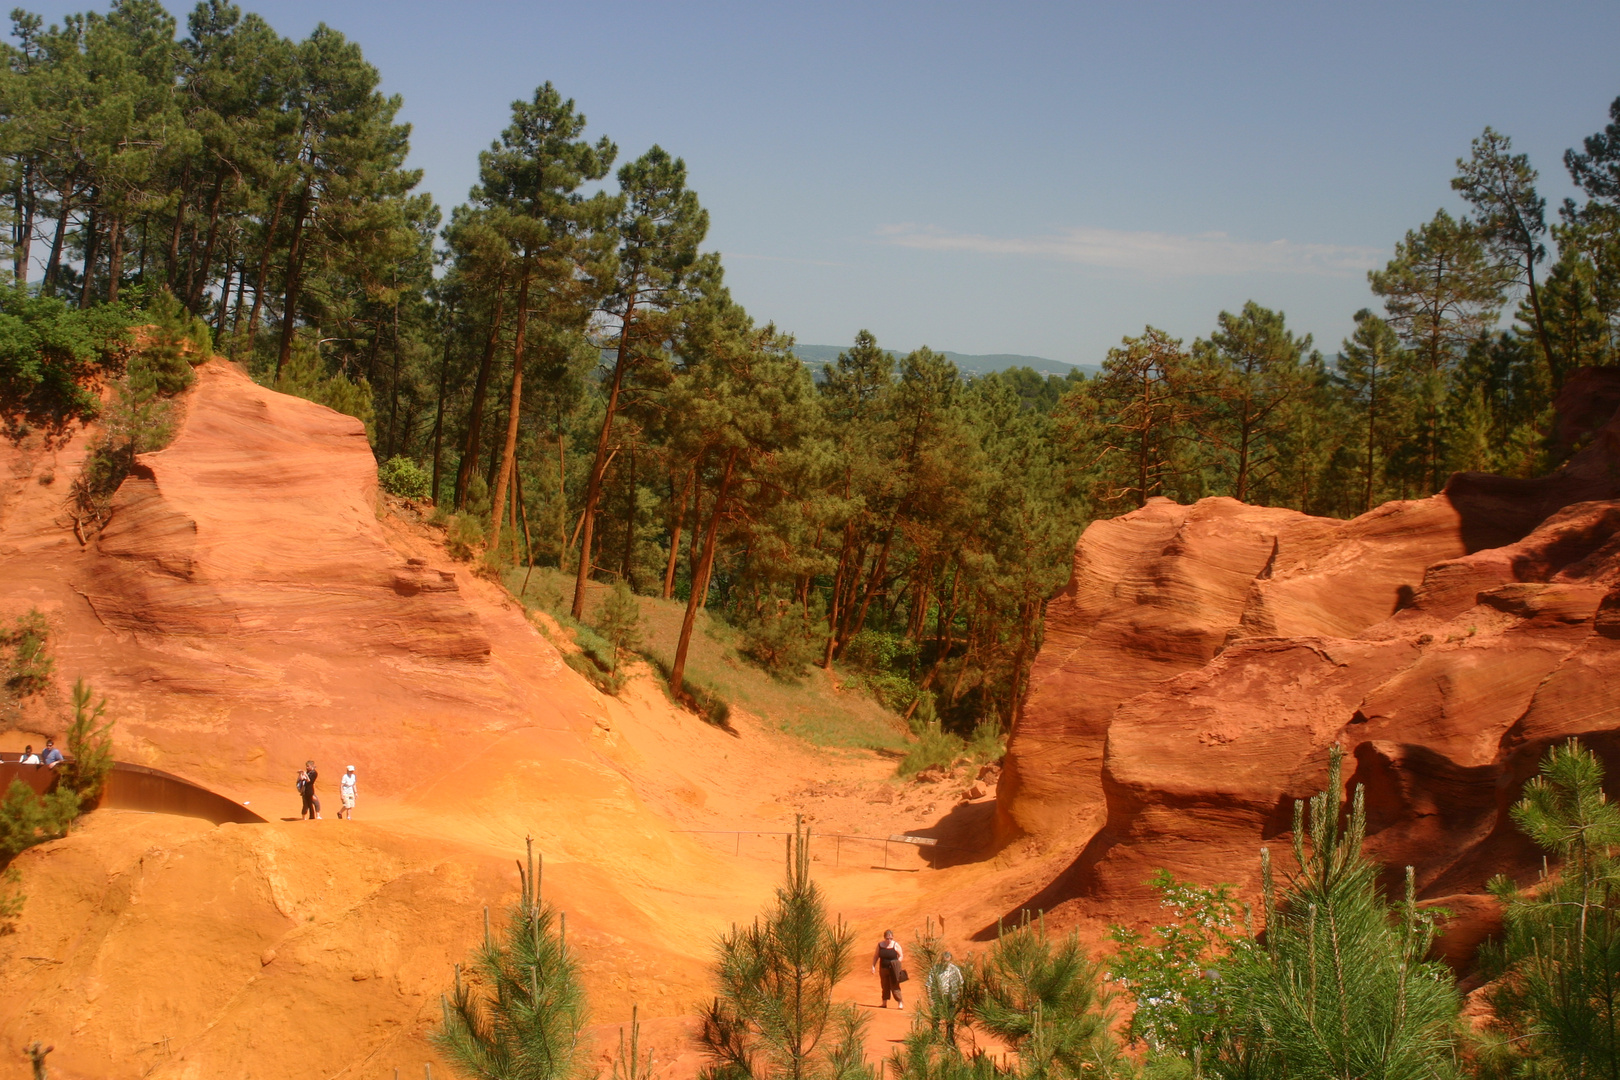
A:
[(346, 788)]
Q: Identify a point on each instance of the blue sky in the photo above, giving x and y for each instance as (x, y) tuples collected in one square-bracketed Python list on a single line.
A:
[(1038, 178)]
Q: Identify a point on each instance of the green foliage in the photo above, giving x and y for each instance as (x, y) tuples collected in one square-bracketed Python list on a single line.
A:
[(1171, 972), (12, 899), (173, 343), (773, 1014), (27, 819), (774, 638), (520, 1015), (934, 747), (619, 622), (1339, 985), (50, 355), (464, 536), (987, 744), (403, 477), (1045, 1000), (305, 375), (1557, 995), (28, 670), (89, 746)]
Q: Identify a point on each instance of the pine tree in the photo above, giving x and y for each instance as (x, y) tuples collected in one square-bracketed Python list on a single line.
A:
[(1045, 1000), (1559, 991), (773, 1016), (1338, 987), (619, 620), (520, 1016)]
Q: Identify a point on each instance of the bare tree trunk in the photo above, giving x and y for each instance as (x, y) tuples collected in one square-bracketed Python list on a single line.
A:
[(115, 258), (438, 414), (92, 250), (593, 488), (194, 288), (675, 534), (514, 407), (295, 269), (625, 567), (260, 283), (475, 418), (53, 265), (677, 672), (173, 262)]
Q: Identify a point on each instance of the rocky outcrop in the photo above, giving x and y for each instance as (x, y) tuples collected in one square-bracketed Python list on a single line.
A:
[(248, 606), (1203, 658)]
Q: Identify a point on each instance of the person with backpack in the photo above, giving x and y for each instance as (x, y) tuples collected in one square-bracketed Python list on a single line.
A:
[(886, 963), (306, 787)]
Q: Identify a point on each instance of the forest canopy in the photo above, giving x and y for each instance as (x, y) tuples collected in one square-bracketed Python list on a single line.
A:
[(559, 363)]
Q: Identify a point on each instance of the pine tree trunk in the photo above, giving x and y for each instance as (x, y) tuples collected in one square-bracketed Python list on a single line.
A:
[(25, 228), (871, 589), (438, 412), (514, 407), (53, 265), (295, 270), (593, 488), (625, 567), (677, 672), (172, 265), (675, 534), (115, 258), (562, 500), (92, 250), (259, 283), (194, 290), (475, 416)]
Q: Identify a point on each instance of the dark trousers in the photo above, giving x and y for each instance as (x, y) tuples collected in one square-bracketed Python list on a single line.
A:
[(890, 984)]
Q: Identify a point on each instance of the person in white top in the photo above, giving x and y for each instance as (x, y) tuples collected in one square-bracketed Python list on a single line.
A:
[(886, 962), (28, 756), (346, 789)]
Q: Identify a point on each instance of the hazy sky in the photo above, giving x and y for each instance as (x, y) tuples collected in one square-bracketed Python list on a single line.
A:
[(1018, 177)]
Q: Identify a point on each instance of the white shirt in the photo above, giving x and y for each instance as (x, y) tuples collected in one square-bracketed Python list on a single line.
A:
[(346, 785)]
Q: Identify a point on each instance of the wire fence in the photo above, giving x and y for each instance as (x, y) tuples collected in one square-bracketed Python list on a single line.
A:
[(837, 839)]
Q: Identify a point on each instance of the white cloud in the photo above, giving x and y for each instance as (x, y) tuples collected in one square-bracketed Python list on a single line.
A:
[(1150, 252)]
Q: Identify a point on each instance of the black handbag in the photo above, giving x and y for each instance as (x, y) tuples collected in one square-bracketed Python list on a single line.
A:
[(901, 974)]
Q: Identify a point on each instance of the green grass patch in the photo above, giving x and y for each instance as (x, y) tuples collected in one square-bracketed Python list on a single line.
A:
[(718, 673)]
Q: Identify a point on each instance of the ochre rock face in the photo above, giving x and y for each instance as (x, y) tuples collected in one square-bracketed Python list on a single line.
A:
[(1204, 658)]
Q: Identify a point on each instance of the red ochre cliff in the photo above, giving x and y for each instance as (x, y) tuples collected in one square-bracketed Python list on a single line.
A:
[(1203, 658)]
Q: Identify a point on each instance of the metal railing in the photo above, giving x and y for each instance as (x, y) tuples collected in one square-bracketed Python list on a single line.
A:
[(837, 839)]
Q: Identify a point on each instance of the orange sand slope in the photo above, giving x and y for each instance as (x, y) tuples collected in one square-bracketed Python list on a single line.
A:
[(251, 604)]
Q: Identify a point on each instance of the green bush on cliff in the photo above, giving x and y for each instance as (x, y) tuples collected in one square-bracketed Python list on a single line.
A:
[(405, 478), (28, 671)]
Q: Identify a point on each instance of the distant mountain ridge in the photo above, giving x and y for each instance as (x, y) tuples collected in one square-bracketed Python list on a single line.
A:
[(967, 363)]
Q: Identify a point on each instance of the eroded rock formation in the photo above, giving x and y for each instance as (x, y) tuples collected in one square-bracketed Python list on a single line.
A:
[(1203, 658)]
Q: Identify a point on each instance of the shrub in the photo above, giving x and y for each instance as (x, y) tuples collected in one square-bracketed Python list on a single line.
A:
[(51, 355), (305, 375), (11, 899), (27, 819), (30, 667), (464, 536), (405, 478), (527, 1022), (776, 641), (934, 746), (89, 746), (175, 341), (707, 703), (619, 622), (987, 743)]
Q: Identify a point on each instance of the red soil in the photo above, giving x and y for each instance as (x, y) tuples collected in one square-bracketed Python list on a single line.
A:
[(254, 602)]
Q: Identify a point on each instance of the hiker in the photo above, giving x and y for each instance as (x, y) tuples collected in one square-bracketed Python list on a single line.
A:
[(52, 757), (886, 965), (306, 787), (346, 793), (28, 756), (945, 994)]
